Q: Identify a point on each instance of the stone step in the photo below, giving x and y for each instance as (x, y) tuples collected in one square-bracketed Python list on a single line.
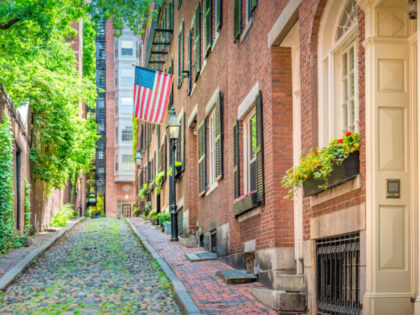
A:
[(289, 282), (201, 256), (235, 276), (281, 300), (188, 242)]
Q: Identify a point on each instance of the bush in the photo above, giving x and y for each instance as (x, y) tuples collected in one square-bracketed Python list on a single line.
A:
[(137, 212), (63, 216), (164, 217)]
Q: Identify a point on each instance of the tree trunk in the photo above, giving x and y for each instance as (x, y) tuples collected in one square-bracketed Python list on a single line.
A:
[(39, 199)]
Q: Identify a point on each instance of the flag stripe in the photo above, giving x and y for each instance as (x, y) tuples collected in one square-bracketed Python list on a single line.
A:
[(159, 101), (165, 98), (151, 94)]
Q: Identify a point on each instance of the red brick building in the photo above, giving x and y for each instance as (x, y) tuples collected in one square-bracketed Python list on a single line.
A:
[(257, 85)]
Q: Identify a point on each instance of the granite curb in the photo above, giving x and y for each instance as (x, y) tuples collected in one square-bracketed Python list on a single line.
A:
[(13, 273), (182, 297)]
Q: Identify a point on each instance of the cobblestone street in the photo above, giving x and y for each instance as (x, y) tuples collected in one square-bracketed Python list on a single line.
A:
[(98, 267)]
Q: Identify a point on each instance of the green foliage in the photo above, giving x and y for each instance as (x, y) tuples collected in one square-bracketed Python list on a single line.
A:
[(137, 212), (159, 181), (164, 217), (7, 222), (135, 129), (63, 215), (319, 163), (143, 192), (147, 207), (28, 225)]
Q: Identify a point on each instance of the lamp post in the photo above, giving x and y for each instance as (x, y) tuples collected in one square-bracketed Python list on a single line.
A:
[(138, 158), (172, 129)]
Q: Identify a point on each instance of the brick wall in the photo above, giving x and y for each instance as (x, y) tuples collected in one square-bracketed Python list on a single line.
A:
[(310, 14)]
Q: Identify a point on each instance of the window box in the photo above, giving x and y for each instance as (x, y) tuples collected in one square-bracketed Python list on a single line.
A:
[(245, 203), (349, 169), (178, 171)]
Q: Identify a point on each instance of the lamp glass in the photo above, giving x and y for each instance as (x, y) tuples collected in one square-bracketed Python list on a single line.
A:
[(138, 158), (173, 126)]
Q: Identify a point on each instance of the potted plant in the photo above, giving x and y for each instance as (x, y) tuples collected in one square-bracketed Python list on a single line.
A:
[(163, 217), (326, 167), (153, 217), (245, 202)]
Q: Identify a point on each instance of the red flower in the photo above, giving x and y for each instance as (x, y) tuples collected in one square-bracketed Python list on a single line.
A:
[(316, 153), (340, 141), (348, 133)]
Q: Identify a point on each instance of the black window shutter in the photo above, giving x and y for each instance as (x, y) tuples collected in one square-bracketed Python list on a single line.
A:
[(219, 14), (179, 3), (236, 177), (260, 148), (165, 150), (171, 96), (219, 137), (181, 143), (180, 54), (190, 66), (207, 23), (202, 163), (197, 42), (237, 19)]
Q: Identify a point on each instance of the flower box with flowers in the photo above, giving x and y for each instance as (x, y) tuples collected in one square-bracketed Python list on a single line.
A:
[(325, 167), (245, 203)]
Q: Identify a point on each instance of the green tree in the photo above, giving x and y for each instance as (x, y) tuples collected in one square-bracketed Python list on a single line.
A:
[(38, 65)]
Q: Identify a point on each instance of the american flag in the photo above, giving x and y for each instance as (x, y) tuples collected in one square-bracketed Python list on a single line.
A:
[(151, 94)]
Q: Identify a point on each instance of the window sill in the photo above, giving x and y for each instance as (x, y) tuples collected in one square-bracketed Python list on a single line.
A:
[(203, 67), (246, 30), (215, 40), (249, 214), (216, 184)]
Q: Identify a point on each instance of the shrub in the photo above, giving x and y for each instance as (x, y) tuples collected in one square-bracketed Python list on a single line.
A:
[(63, 215), (164, 217), (137, 212)]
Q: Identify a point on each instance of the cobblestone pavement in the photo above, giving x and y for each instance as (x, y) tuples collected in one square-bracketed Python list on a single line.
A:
[(211, 294), (99, 267)]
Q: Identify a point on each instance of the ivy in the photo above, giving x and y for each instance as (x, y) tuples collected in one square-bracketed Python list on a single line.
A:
[(135, 129), (28, 225), (7, 222)]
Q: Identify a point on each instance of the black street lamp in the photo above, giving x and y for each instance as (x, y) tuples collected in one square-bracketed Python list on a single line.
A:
[(172, 129)]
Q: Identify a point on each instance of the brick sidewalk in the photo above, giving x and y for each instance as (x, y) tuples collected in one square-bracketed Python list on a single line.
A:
[(211, 294), (10, 259)]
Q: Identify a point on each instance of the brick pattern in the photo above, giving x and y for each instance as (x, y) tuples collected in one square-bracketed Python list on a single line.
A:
[(211, 294), (310, 14)]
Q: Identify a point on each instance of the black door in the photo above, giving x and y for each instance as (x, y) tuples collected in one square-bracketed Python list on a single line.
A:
[(18, 173)]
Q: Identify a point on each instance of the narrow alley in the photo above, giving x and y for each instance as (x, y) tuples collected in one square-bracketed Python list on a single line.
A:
[(98, 267)]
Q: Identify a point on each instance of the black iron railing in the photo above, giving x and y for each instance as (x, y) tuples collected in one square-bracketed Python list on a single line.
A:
[(338, 275)]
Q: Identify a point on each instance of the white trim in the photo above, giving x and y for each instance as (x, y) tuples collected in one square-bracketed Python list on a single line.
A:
[(248, 102), (213, 188), (284, 23), (246, 137), (212, 102), (193, 116)]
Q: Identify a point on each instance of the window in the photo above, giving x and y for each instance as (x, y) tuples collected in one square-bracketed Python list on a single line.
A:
[(127, 134), (338, 98), (126, 107), (250, 148), (116, 47), (250, 6), (100, 103), (116, 78), (196, 42), (218, 15), (237, 19), (207, 24), (116, 135), (101, 155), (127, 77), (127, 162), (211, 125), (127, 48)]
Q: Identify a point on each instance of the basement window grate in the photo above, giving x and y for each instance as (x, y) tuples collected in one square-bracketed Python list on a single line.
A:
[(338, 275)]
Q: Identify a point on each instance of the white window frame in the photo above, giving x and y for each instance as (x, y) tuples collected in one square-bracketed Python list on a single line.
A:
[(127, 43), (246, 142), (211, 126), (131, 76), (122, 135), (127, 165), (330, 72)]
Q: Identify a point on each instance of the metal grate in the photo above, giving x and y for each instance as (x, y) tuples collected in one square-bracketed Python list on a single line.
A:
[(338, 275)]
